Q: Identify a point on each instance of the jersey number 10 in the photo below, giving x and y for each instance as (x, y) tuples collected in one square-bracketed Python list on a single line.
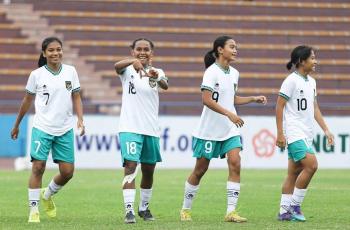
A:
[(302, 104)]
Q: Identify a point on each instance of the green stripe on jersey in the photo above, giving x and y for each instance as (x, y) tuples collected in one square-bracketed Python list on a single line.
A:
[(284, 96), (31, 93), (207, 88), (53, 72), (76, 90)]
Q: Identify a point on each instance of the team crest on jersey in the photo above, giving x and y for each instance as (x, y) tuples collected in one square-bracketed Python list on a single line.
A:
[(68, 85), (152, 83)]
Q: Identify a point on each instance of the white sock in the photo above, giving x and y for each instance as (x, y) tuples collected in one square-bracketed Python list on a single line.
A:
[(190, 193), (145, 197), (52, 189), (34, 197), (298, 196), (285, 203), (233, 190), (129, 199)]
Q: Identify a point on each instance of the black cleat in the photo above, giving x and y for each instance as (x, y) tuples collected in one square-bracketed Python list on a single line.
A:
[(146, 215), (130, 218)]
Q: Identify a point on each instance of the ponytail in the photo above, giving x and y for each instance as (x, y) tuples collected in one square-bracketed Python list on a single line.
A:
[(298, 55), (42, 60), (209, 58)]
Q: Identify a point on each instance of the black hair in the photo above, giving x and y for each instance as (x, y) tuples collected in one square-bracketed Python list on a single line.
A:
[(299, 54), (132, 46), (211, 56), (42, 60)]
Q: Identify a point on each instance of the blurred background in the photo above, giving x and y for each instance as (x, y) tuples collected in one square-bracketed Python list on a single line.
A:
[(97, 33)]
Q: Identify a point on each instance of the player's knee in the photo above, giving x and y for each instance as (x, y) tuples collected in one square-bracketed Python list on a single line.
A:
[(38, 169), (312, 168), (67, 174), (199, 173), (235, 166), (129, 168)]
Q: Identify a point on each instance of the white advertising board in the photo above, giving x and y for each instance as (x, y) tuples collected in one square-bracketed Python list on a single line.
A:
[(100, 148)]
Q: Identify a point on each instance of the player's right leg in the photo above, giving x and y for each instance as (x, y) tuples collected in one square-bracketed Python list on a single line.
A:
[(192, 186), (35, 179), (131, 147), (41, 143), (129, 191)]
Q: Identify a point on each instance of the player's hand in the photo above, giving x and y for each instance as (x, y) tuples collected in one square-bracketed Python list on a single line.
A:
[(152, 73), (260, 100), (281, 141), (14, 133), (330, 138), (81, 127), (235, 119), (139, 67)]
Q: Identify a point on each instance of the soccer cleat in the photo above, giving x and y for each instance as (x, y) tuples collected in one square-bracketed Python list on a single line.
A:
[(287, 216), (146, 215), (130, 218), (234, 217), (49, 205), (297, 214), (185, 215), (34, 217)]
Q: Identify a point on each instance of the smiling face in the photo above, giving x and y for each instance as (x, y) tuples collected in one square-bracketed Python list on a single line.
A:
[(53, 53), (229, 51), (142, 51), (309, 65)]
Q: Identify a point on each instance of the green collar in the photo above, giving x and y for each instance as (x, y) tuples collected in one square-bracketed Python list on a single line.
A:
[(226, 71), (304, 77), (52, 71)]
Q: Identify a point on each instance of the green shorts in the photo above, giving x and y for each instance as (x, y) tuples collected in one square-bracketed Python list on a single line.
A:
[(298, 149), (214, 149), (139, 148), (62, 146)]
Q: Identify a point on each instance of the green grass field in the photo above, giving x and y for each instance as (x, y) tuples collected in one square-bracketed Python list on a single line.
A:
[(93, 200)]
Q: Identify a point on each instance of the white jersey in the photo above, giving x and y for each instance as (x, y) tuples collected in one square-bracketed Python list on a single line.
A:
[(140, 103), (298, 114), (53, 98), (223, 84)]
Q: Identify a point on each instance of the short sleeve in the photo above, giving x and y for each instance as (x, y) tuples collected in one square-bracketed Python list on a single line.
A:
[(76, 83), (125, 72), (31, 84), (287, 88), (208, 81)]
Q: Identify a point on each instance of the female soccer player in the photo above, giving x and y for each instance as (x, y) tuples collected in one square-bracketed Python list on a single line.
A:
[(55, 87), (138, 126), (218, 133), (296, 110)]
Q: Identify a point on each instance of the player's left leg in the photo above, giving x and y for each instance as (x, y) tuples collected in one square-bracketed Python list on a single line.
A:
[(150, 155), (309, 164), (63, 155), (146, 191), (233, 185)]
